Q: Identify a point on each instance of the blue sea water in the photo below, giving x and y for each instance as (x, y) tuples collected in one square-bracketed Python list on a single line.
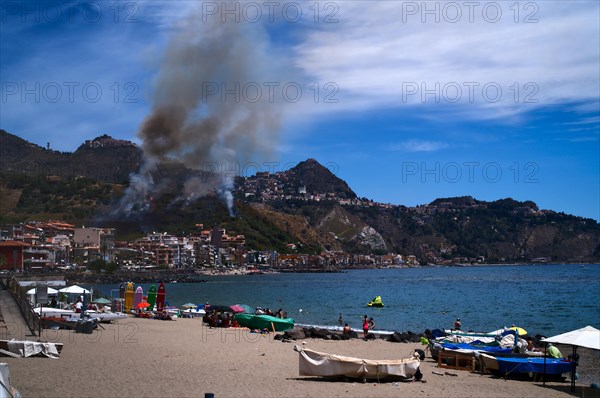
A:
[(545, 299)]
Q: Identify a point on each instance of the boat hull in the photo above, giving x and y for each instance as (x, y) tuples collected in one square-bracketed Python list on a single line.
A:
[(48, 312), (512, 365), (313, 363)]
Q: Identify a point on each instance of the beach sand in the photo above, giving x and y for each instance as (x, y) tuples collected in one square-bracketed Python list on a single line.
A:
[(183, 358)]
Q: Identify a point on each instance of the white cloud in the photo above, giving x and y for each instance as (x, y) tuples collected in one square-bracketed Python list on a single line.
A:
[(418, 146), (381, 56)]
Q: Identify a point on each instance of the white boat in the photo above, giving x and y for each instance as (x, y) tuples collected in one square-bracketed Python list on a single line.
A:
[(314, 363), (489, 362), (52, 312), (60, 313), (193, 312), (106, 316)]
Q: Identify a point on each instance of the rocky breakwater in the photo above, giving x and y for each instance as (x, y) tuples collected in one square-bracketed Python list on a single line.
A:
[(300, 333)]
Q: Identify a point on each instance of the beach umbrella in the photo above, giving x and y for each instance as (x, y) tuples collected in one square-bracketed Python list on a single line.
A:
[(74, 290), (237, 308), (588, 337), (142, 305), (247, 308), (520, 331), (189, 305), (101, 300)]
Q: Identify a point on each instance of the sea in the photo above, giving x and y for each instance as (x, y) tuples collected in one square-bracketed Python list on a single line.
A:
[(545, 299)]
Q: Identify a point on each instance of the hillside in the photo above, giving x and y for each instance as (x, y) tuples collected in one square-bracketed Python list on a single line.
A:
[(104, 159), (306, 205)]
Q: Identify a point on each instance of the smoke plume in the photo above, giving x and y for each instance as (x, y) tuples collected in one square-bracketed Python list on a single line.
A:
[(201, 115)]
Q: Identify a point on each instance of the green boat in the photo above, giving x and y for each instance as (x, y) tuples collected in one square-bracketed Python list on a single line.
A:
[(264, 322)]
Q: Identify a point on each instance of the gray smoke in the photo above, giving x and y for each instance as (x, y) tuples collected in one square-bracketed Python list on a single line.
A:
[(200, 114)]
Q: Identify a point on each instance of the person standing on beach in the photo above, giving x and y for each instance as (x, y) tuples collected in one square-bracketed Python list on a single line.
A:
[(365, 326), (78, 306), (371, 323)]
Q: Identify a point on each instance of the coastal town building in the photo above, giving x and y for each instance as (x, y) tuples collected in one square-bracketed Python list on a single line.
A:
[(39, 247), (93, 243)]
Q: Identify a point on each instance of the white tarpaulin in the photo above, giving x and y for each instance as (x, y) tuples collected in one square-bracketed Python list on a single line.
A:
[(313, 363), (588, 337), (31, 348), (74, 290)]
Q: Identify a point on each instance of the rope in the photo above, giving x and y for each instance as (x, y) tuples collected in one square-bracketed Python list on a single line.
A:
[(512, 370)]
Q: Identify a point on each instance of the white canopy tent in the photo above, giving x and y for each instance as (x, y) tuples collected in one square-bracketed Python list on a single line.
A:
[(588, 337), (50, 291), (74, 290)]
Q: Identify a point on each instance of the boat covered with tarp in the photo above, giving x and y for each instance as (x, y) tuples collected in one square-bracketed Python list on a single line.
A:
[(471, 348), (264, 322), (507, 365), (314, 363)]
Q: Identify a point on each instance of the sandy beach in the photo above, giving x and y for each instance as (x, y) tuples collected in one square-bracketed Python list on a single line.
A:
[(145, 357)]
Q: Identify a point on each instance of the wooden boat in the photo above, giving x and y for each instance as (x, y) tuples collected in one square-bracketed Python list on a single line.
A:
[(468, 348), (505, 365), (264, 322), (489, 362), (454, 332), (314, 363)]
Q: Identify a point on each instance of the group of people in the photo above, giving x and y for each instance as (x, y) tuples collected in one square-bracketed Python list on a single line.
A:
[(279, 314), (220, 320), (368, 324)]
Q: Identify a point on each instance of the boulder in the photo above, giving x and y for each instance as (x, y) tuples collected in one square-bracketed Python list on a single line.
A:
[(395, 337), (308, 332), (295, 334), (412, 337), (321, 333)]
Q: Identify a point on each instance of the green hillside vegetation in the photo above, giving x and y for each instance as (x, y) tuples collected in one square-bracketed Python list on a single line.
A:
[(42, 198)]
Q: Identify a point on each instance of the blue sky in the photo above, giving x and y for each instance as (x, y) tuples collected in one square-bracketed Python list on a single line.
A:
[(415, 100)]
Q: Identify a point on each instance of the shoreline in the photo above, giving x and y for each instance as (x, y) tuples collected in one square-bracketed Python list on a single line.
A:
[(199, 276), (144, 357)]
